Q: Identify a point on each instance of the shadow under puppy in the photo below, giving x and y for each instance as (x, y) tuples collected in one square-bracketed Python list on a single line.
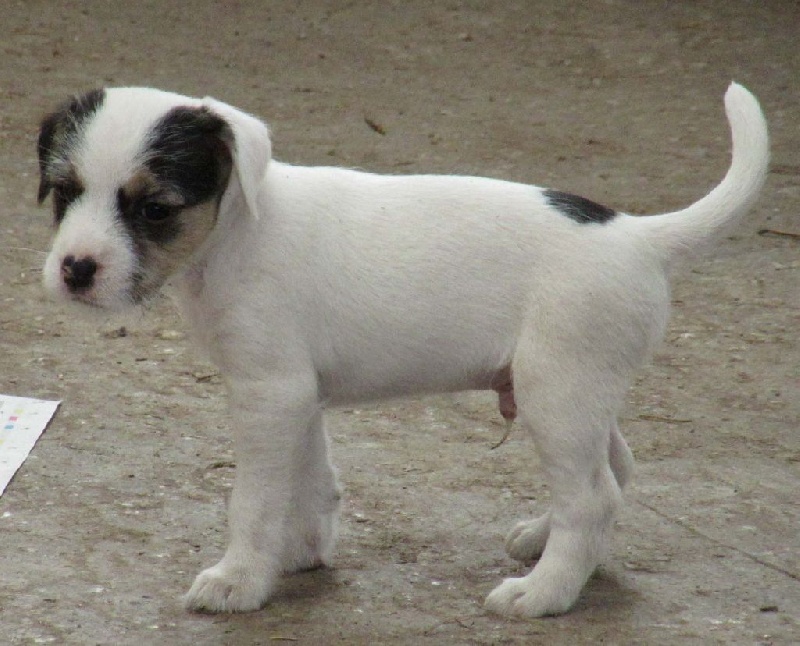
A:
[(312, 287)]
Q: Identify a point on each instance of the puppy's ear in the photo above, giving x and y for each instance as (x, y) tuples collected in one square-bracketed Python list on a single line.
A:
[(57, 133), (250, 148)]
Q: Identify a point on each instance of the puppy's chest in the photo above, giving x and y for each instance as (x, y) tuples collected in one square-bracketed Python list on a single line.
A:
[(188, 291)]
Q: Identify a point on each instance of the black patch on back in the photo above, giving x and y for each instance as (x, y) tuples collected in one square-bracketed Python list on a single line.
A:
[(579, 209), (56, 134), (187, 154)]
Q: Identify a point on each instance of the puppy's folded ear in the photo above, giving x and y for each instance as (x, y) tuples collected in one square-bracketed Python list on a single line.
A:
[(58, 131), (251, 151)]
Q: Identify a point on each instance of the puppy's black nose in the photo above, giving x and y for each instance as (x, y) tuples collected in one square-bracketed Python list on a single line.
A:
[(78, 274)]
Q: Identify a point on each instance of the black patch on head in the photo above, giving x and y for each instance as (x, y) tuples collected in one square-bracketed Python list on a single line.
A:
[(186, 162), (579, 209), (56, 134), (187, 153)]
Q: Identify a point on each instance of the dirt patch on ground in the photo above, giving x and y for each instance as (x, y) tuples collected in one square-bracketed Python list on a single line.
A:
[(122, 501)]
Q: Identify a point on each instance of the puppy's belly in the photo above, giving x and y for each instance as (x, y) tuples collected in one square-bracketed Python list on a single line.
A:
[(360, 384)]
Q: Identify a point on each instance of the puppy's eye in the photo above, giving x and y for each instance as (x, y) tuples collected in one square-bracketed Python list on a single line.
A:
[(155, 212)]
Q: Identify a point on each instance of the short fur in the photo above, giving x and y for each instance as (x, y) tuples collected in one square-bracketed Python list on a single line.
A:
[(312, 287)]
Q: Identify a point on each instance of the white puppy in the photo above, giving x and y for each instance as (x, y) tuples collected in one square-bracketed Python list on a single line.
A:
[(312, 287)]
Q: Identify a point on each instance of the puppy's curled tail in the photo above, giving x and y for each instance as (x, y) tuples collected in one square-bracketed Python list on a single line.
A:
[(684, 233)]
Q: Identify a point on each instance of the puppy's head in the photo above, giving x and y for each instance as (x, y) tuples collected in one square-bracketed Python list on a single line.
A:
[(139, 180)]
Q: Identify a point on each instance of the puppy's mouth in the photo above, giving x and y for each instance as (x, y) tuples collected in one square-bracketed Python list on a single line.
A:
[(97, 299), (89, 300), (117, 302)]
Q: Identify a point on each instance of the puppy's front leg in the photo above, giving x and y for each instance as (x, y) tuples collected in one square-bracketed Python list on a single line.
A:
[(270, 420), (310, 531)]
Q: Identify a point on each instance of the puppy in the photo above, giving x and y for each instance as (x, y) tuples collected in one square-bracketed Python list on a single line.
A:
[(316, 287)]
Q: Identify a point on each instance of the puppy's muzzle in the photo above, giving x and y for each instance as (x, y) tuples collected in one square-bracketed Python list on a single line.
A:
[(78, 275)]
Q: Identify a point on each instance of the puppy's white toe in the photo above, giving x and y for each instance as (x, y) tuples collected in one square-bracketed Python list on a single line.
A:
[(501, 600), (228, 589), (527, 540), (521, 597)]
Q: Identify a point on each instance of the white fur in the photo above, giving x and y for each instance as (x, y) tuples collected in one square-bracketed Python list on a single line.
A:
[(348, 286)]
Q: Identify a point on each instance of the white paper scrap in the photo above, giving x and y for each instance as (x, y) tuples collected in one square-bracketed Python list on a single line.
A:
[(22, 421)]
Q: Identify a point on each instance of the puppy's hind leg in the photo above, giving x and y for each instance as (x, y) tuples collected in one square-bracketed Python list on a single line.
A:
[(573, 443), (528, 538), (570, 380), (310, 531)]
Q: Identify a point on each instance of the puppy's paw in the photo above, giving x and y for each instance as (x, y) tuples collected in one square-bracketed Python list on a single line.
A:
[(224, 588), (521, 597), (527, 540)]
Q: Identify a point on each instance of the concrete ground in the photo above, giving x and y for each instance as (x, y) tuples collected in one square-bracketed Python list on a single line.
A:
[(122, 500)]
